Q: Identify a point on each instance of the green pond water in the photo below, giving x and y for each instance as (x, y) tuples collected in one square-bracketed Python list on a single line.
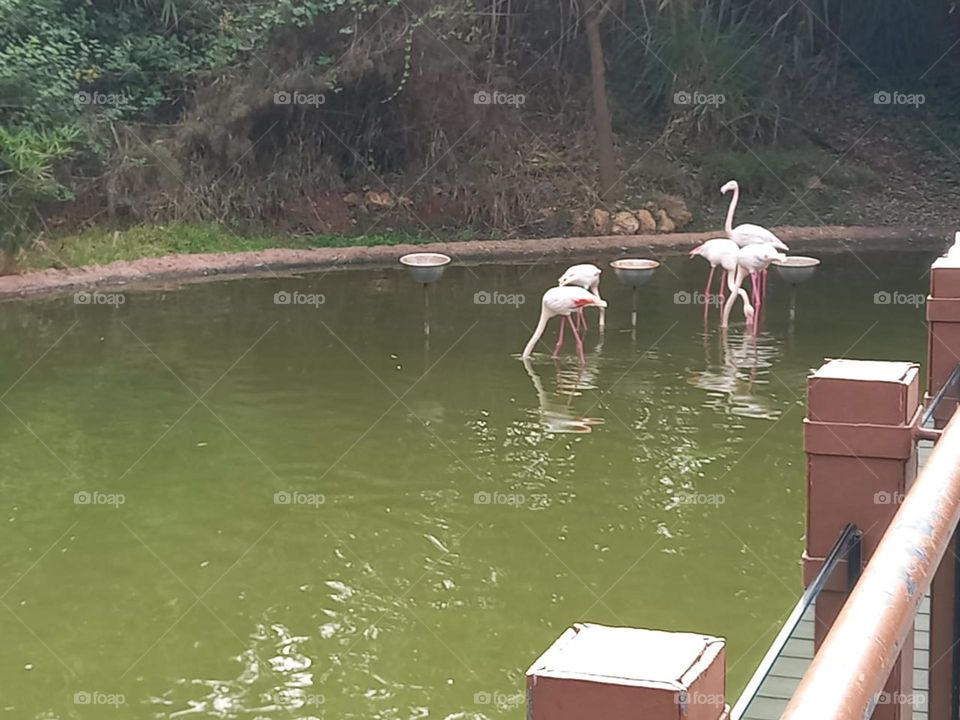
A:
[(214, 505)]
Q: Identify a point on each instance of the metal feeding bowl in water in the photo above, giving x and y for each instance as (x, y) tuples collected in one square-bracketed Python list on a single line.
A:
[(425, 267), (634, 272), (796, 268)]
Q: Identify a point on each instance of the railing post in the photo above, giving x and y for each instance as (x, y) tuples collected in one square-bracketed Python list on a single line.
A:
[(620, 673), (861, 459), (943, 348)]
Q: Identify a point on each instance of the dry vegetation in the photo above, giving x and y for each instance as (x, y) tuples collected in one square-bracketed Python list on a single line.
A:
[(385, 131)]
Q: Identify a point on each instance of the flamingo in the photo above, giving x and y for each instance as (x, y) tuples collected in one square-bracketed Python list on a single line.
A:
[(586, 276), (748, 234), (751, 260), (719, 251), (562, 301)]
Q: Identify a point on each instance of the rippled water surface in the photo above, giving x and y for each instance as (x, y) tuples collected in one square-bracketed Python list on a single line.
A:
[(218, 506)]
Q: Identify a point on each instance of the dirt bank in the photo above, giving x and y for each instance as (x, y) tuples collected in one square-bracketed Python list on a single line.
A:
[(195, 268)]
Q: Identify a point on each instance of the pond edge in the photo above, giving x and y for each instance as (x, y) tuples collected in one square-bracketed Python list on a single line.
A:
[(183, 268)]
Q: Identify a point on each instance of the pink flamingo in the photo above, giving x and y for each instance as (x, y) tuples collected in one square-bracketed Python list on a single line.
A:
[(719, 251), (562, 301), (749, 234), (752, 259), (586, 276)]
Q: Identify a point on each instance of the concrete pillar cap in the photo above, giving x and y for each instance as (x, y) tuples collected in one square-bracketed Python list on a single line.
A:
[(625, 655)]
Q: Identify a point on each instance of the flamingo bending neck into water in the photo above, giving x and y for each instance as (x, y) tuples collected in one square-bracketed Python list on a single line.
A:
[(562, 301), (734, 281), (722, 252), (752, 259), (586, 276)]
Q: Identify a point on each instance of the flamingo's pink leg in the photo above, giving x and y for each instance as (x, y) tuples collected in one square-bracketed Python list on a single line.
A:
[(755, 325), (556, 350), (706, 291), (581, 321), (579, 342)]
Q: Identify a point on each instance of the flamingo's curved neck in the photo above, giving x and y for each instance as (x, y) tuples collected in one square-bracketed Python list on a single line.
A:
[(728, 227), (734, 282), (541, 326)]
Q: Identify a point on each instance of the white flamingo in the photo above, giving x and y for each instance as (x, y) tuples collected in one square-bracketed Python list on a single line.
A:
[(746, 234), (562, 301), (586, 276), (751, 260), (719, 251), (749, 234)]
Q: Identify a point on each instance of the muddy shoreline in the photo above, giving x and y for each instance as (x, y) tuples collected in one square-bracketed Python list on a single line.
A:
[(185, 268)]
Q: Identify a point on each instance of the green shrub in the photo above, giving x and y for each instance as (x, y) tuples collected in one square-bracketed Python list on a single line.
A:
[(703, 69), (776, 172), (27, 158)]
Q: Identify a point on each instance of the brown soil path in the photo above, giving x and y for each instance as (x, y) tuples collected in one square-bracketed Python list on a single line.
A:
[(200, 267)]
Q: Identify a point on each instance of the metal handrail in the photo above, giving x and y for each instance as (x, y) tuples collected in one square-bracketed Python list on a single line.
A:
[(848, 544), (952, 381), (848, 673)]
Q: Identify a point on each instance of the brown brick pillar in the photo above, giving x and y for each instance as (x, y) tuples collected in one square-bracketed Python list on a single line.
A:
[(861, 459), (943, 348)]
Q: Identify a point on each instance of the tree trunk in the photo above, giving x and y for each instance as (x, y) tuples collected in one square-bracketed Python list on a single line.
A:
[(8, 262), (609, 180)]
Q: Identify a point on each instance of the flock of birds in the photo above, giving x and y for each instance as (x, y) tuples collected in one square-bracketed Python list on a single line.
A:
[(746, 249)]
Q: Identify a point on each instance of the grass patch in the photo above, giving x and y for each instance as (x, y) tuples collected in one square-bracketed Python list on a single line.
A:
[(102, 245), (778, 172)]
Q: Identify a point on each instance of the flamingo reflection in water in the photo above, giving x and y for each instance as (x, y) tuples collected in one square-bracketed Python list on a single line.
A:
[(744, 367), (557, 415)]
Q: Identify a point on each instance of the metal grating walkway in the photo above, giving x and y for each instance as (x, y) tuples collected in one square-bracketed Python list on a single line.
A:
[(792, 663), (783, 679)]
